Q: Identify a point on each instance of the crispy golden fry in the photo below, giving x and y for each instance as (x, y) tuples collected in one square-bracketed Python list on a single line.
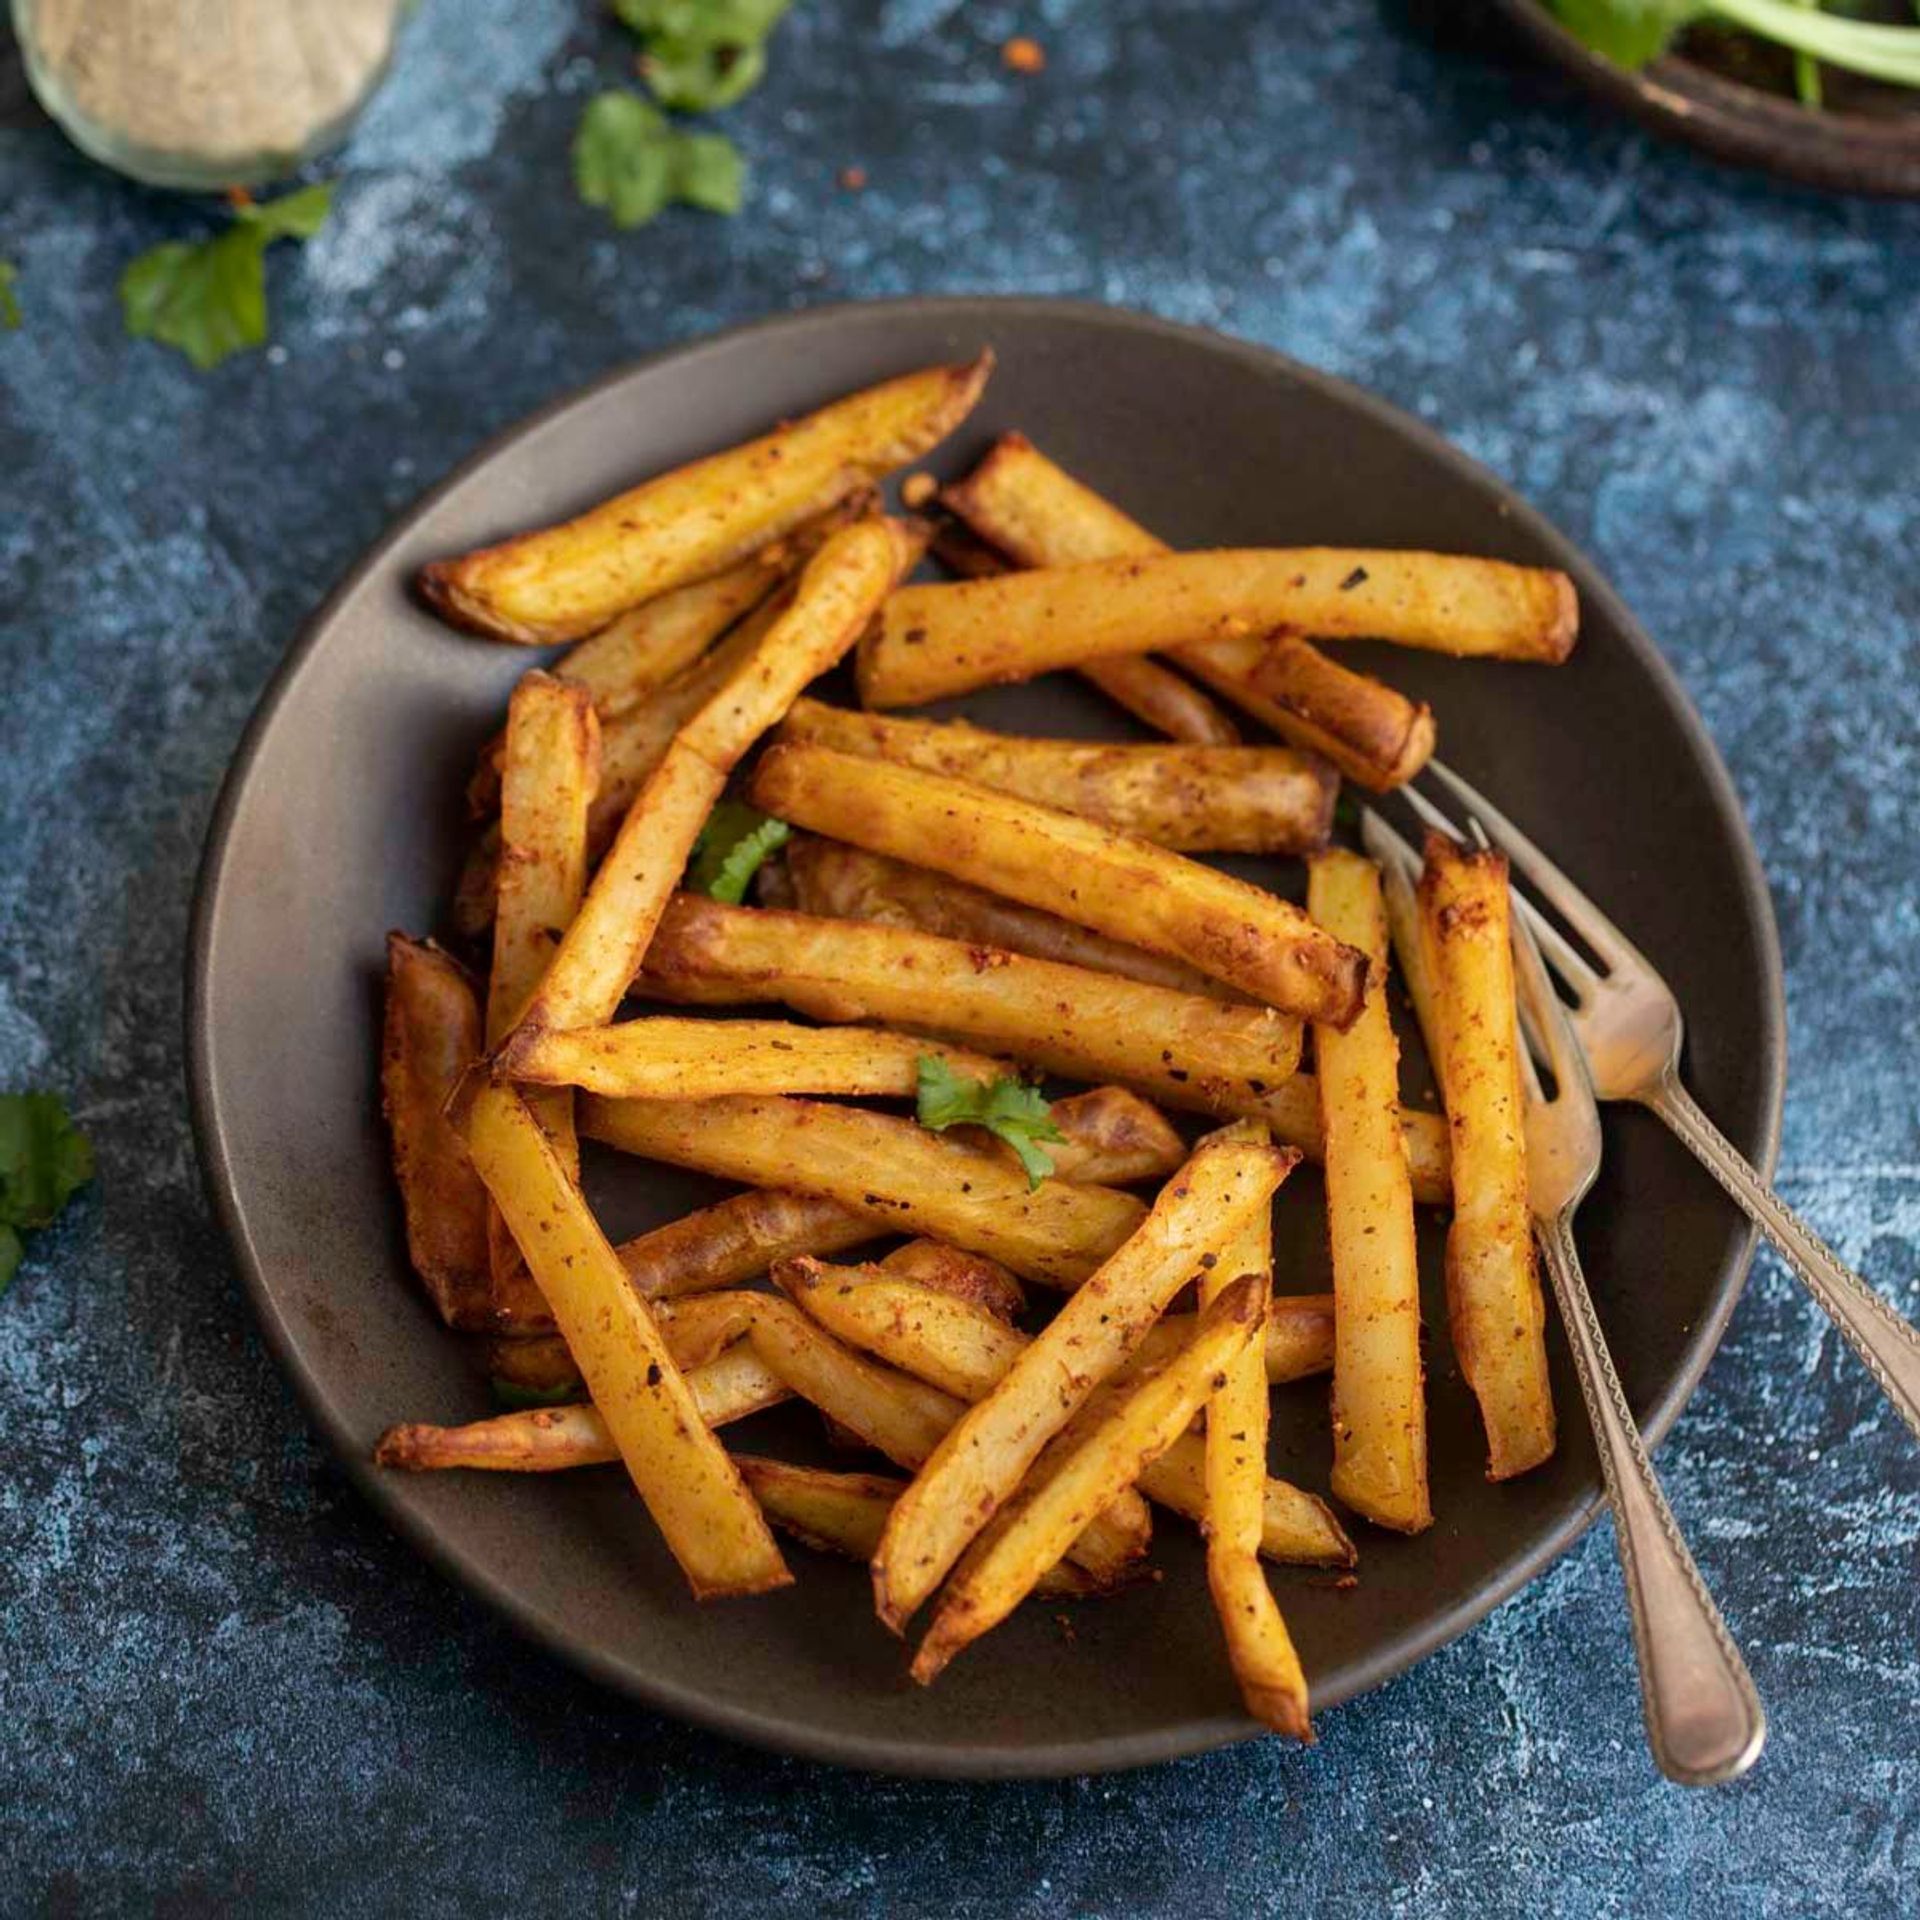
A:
[(1045, 518), (570, 580), (893, 1172), (1121, 886), (1080, 1473), (702, 1326), (1184, 1049), (1259, 1648), (1297, 1528), (551, 766), (1416, 972), (553, 1439), (1371, 733), (536, 1365), (699, 1502), (1298, 1342), (1194, 799), (1379, 1404), (1113, 1138), (1493, 1282), (431, 1037), (836, 597), (905, 1419), (986, 1456), (1153, 694), (837, 882), (935, 641), (739, 1239), (663, 1058), (965, 1276)]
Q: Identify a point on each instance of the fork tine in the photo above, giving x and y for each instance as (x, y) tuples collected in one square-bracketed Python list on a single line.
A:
[(1545, 1018), (1580, 913)]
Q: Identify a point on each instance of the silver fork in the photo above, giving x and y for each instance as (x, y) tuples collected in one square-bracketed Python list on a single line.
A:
[(1704, 1720), (1629, 1028)]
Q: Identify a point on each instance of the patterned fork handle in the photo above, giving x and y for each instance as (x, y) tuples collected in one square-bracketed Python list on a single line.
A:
[(1704, 1719), (1888, 1345)]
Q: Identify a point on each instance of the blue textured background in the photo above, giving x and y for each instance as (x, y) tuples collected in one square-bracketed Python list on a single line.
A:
[(222, 1685)]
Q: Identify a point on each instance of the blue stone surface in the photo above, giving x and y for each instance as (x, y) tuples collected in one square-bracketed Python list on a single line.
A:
[(223, 1686)]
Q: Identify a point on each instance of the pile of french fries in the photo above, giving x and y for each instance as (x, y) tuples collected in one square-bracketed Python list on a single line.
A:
[(1045, 1354)]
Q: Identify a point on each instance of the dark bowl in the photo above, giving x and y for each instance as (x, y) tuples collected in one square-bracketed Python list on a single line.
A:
[(342, 818), (1866, 140)]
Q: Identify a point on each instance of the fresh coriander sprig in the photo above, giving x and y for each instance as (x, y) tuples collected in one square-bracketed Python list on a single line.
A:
[(209, 298), (731, 849), (9, 300), (629, 158), (1009, 1108), (44, 1160), (698, 56), (1632, 32)]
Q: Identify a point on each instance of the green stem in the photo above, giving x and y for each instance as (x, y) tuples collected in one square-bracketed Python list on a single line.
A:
[(1806, 71), (1881, 53)]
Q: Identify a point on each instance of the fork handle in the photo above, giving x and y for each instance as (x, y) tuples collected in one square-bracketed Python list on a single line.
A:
[(1888, 1345), (1704, 1719)]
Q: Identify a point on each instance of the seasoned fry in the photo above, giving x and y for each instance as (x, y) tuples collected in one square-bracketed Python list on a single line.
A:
[(965, 1276), (702, 1326), (905, 1419), (739, 1239), (936, 641), (1113, 1138), (663, 1058), (570, 580), (716, 1531), (430, 1038), (1416, 972), (837, 882), (1194, 799), (1045, 518), (1494, 1304), (1297, 1529), (1379, 1405), (552, 1439), (1371, 733), (837, 595), (1121, 886), (1259, 1647), (891, 1171), (536, 1365), (1298, 1341), (1181, 1048), (985, 1457), (1083, 1470)]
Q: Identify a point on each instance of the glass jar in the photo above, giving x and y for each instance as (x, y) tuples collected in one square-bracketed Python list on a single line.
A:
[(205, 94)]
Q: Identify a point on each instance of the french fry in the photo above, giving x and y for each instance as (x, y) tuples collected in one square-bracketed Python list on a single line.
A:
[(1183, 1049), (1152, 693), (978, 1465), (570, 580), (834, 881), (663, 1058), (952, 1345), (712, 1524), (894, 1173), (843, 1513), (1294, 1113), (905, 1419), (536, 1366), (1121, 886), (837, 595), (1416, 972), (702, 1326), (1371, 733), (1113, 1138), (1494, 1304), (971, 1277), (1259, 1648), (936, 641), (431, 1036), (1379, 1404), (1193, 799), (738, 1239), (1043, 517), (1081, 1473), (554, 1439)]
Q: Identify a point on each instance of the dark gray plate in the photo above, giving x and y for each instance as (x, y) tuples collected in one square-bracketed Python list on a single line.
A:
[(342, 818)]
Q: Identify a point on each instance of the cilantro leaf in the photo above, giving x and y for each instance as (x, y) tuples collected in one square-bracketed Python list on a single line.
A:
[(629, 158), (1631, 32), (701, 55), (731, 849), (1009, 1108), (209, 298), (9, 319), (44, 1160)]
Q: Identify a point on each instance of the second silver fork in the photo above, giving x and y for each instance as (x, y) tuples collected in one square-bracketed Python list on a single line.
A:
[(1705, 1723)]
